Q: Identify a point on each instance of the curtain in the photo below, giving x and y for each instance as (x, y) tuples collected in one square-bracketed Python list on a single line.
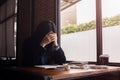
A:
[(7, 21)]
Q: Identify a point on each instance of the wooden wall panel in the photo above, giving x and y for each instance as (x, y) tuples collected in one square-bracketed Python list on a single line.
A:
[(23, 26), (30, 14), (44, 10)]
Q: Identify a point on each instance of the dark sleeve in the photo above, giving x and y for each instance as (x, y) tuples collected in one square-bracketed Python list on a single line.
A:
[(59, 56), (38, 52), (32, 53), (27, 54)]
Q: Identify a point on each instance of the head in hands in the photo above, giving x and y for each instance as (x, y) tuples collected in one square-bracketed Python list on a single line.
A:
[(48, 35)]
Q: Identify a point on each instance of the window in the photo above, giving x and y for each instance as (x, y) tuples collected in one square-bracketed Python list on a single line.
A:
[(7, 29), (111, 29), (78, 29), (87, 31)]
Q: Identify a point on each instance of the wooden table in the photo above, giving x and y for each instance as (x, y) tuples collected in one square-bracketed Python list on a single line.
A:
[(31, 73)]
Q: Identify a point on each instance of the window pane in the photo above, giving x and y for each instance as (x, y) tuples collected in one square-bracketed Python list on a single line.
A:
[(111, 29), (78, 33), (10, 37), (2, 40), (8, 29), (2, 12), (10, 7)]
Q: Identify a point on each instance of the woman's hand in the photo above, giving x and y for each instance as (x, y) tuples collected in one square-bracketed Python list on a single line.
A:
[(50, 37)]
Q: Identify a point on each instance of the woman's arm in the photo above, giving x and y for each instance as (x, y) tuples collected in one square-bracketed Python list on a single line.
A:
[(59, 56)]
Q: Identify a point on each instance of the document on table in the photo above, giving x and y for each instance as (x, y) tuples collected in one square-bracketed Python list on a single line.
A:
[(50, 66)]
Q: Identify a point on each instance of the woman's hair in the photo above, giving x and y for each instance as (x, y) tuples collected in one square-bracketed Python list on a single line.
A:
[(44, 28)]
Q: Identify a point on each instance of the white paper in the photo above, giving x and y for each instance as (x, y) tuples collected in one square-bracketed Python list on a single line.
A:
[(49, 66)]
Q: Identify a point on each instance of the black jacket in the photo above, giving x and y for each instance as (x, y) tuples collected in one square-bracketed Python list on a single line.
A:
[(32, 53)]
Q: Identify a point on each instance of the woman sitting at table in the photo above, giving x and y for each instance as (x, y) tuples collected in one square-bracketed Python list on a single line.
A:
[(42, 47)]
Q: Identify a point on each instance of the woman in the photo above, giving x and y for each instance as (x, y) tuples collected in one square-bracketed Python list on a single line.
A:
[(42, 47)]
